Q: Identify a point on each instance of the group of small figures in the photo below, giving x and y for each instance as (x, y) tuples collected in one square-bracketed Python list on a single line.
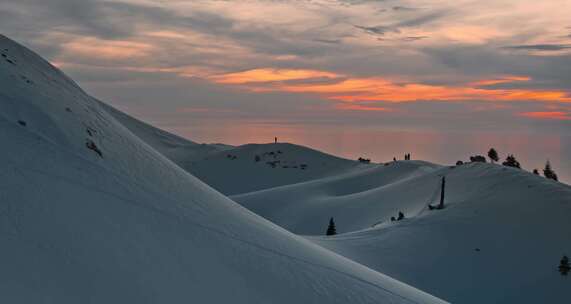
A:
[(406, 157)]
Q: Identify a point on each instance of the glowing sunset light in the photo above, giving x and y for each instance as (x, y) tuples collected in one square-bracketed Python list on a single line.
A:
[(357, 107), (416, 92), (470, 34), (166, 34), (507, 79), (270, 75), (110, 49), (554, 115), (352, 85), (380, 89)]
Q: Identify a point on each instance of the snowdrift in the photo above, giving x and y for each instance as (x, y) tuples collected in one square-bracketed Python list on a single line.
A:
[(499, 239), (90, 212), (357, 200)]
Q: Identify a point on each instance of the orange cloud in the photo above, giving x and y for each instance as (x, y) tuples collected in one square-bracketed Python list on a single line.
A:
[(506, 79), (357, 107), (270, 75), (166, 34), (357, 90), (376, 89), (554, 115), (471, 34), (108, 49)]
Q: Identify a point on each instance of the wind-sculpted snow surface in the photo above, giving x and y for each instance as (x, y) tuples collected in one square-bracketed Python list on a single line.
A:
[(357, 200), (90, 213), (499, 239)]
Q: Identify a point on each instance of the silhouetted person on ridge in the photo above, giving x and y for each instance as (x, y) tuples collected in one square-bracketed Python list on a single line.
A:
[(564, 266)]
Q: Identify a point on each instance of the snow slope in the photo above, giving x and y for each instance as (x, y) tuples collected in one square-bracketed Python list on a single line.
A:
[(255, 167), (499, 240), (91, 213), (177, 149)]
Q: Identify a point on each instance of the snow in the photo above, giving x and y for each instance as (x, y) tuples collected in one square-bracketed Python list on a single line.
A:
[(255, 167), (234, 170), (177, 149), (93, 211), (499, 239), (357, 200)]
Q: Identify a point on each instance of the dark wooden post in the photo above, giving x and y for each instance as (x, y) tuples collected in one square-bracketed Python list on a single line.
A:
[(442, 193)]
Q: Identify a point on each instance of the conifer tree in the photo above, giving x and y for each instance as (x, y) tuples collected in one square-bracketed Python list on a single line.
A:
[(331, 228), (535, 171), (548, 172), (511, 161), (564, 266), (493, 155)]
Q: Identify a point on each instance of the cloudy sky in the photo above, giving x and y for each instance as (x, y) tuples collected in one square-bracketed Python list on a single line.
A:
[(439, 66)]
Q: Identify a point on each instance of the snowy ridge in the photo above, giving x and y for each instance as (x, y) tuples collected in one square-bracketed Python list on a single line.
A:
[(92, 213), (255, 167)]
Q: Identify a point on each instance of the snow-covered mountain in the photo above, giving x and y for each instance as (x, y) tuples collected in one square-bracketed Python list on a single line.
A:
[(499, 239), (92, 212)]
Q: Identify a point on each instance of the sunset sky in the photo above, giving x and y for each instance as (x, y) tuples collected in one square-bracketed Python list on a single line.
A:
[(432, 66)]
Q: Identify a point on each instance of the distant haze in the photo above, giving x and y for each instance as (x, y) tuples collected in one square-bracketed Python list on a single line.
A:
[(532, 150)]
